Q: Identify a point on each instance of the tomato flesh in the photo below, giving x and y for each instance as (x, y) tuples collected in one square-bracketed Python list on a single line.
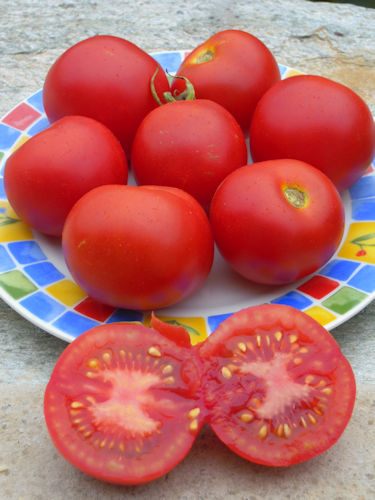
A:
[(277, 388), (123, 403)]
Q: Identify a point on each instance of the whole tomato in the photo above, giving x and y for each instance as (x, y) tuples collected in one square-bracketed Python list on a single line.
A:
[(232, 68), (46, 175), (192, 145), (138, 247), (277, 221), (316, 120), (106, 78)]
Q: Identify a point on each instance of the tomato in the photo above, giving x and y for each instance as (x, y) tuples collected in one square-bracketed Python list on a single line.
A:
[(123, 404), (138, 247), (232, 68), (316, 120), (277, 388), (46, 175), (106, 78), (275, 222), (191, 145)]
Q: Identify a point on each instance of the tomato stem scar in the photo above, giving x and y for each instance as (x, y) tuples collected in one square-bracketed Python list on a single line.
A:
[(205, 56), (296, 196)]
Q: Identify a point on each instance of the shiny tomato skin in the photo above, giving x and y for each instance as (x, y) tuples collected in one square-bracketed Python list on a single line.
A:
[(267, 238), (232, 68), (46, 175), (191, 145), (316, 120), (277, 388), (106, 78), (122, 403), (138, 247)]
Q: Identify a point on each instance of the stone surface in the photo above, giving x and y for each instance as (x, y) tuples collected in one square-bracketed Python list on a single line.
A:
[(321, 38)]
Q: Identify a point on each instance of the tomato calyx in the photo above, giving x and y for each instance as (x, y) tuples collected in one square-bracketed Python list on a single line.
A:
[(187, 95)]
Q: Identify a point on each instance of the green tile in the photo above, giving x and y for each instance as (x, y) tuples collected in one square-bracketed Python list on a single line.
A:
[(16, 284), (344, 299)]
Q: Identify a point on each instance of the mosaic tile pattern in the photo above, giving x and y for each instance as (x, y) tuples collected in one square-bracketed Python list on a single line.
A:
[(37, 289)]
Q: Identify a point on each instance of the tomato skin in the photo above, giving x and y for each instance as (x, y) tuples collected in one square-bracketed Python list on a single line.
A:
[(122, 403), (106, 78), (46, 175), (138, 247), (263, 236), (239, 69), (191, 145), (277, 388), (316, 120)]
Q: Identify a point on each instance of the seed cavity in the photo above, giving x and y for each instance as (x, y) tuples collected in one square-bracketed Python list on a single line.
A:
[(154, 352)]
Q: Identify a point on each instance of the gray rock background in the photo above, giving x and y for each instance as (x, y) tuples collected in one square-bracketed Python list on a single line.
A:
[(337, 41)]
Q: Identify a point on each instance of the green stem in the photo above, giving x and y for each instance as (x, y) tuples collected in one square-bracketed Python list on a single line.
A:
[(187, 95)]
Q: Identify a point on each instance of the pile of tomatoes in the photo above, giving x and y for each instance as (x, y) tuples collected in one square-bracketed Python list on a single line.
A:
[(272, 383)]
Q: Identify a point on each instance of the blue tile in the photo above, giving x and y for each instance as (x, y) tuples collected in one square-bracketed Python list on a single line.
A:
[(74, 323), (36, 100), (282, 69), (293, 299), (26, 252), (43, 273), (364, 279), (8, 136), (125, 315), (43, 306), (214, 321), (6, 261), (169, 61), (339, 269), (363, 210), (40, 125), (3, 195), (364, 188)]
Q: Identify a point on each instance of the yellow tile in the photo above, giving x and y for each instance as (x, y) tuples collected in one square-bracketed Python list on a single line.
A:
[(67, 292), (21, 141), (292, 72), (360, 242), (321, 315), (12, 228), (195, 326)]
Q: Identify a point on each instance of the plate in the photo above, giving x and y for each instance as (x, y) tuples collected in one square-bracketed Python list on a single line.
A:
[(35, 281)]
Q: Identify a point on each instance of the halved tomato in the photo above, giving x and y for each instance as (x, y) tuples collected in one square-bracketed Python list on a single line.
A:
[(123, 402), (277, 388)]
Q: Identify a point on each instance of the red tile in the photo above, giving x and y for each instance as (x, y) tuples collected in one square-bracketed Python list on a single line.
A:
[(94, 309), (21, 117), (318, 286)]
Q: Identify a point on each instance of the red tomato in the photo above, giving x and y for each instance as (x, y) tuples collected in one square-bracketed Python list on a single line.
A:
[(106, 78), (122, 403), (232, 68), (277, 387), (316, 120), (138, 247), (277, 221), (52, 170), (192, 145)]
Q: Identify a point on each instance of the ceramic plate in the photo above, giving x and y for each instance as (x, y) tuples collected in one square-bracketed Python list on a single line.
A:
[(35, 282)]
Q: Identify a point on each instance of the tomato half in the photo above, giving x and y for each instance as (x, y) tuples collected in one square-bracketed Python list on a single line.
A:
[(316, 120), (277, 221), (191, 145), (138, 248), (123, 403), (277, 388), (50, 172), (232, 68), (106, 78)]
